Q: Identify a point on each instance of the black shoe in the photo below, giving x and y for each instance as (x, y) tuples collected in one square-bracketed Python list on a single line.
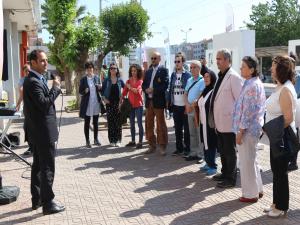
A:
[(176, 153), (52, 207), (27, 152), (130, 144), (218, 177), (97, 142), (191, 158), (88, 144), (139, 145), (225, 184), (292, 167), (36, 205), (185, 154)]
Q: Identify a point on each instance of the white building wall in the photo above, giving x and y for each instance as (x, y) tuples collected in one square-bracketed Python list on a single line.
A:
[(241, 43), (292, 48), (9, 85)]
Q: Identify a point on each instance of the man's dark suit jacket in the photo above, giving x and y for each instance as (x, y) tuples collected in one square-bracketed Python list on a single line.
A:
[(160, 86), (39, 110)]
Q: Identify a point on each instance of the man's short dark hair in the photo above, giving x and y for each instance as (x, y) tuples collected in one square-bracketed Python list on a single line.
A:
[(181, 55), (88, 65), (34, 54)]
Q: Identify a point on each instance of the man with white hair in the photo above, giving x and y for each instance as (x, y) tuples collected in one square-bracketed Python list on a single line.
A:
[(193, 89), (224, 96)]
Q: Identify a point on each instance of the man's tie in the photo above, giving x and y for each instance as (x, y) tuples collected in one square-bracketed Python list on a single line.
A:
[(45, 82)]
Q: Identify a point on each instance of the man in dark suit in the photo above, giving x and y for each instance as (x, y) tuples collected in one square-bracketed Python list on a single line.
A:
[(41, 130), (155, 84)]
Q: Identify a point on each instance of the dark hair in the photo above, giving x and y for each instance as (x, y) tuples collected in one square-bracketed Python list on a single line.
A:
[(213, 80), (34, 54), (113, 64), (252, 63), (181, 55), (285, 69), (26, 67), (293, 58), (88, 65), (139, 71)]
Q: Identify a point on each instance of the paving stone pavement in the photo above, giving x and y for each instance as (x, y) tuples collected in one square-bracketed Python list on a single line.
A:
[(111, 186)]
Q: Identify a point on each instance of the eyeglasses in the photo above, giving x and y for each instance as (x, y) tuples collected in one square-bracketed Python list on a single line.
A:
[(193, 67), (153, 58), (177, 61), (113, 68)]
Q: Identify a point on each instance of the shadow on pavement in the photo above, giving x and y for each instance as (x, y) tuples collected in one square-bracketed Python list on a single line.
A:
[(19, 220), (189, 189)]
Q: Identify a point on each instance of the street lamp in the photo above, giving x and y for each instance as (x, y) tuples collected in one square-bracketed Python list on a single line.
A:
[(186, 32)]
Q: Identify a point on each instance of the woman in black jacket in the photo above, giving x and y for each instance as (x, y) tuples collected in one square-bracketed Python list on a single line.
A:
[(89, 89), (208, 135)]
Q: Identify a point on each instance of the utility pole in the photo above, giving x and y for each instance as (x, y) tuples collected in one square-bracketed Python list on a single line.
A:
[(100, 7), (186, 32), (141, 45)]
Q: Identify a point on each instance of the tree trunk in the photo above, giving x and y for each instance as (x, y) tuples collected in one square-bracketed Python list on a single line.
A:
[(101, 57), (78, 75), (68, 81)]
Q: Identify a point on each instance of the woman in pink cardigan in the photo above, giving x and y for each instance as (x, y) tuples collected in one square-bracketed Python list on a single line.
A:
[(133, 88)]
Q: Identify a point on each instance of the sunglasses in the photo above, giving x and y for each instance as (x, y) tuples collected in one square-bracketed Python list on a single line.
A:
[(177, 61), (113, 68), (153, 58)]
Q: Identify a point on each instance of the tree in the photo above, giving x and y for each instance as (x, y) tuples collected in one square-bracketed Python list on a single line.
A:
[(59, 18), (87, 37), (124, 26), (275, 22)]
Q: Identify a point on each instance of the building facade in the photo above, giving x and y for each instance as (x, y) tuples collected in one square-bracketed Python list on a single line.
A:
[(21, 20)]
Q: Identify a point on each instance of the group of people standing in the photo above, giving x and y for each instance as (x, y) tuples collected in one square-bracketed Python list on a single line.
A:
[(212, 113)]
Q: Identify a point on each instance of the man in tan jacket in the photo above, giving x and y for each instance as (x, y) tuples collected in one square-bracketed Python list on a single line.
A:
[(225, 94)]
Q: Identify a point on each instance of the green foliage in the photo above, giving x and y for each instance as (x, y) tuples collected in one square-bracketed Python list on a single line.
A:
[(124, 26), (71, 105), (275, 22), (86, 38)]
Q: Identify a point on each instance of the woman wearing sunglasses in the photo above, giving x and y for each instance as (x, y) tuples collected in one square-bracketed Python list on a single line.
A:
[(112, 91)]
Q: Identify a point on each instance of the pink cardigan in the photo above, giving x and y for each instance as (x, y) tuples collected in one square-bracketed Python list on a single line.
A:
[(135, 99)]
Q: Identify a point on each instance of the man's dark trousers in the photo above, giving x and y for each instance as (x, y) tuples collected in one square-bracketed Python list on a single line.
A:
[(42, 173), (181, 124), (227, 149)]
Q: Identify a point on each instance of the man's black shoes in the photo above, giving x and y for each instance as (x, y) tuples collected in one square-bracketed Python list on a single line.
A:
[(52, 208), (218, 177), (226, 184), (36, 205)]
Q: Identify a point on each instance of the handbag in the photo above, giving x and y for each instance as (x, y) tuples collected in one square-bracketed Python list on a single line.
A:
[(102, 106), (125, 110)]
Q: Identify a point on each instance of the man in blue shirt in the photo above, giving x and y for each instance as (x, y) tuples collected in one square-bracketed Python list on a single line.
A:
[(194, 87)]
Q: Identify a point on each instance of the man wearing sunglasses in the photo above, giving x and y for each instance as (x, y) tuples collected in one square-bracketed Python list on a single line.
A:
[(176, 101), (155, 84)]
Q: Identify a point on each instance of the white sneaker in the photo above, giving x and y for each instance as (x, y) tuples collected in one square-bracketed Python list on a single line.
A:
[(118, 144), (269, 209), (276, 213)]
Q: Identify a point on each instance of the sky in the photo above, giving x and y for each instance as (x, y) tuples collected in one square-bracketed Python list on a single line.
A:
[(178, 19)]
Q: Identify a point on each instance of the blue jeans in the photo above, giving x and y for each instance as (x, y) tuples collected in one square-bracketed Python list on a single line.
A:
[(138, 112)]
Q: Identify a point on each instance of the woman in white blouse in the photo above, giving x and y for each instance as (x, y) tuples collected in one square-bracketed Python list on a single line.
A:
[(89, 89), (281, 102)]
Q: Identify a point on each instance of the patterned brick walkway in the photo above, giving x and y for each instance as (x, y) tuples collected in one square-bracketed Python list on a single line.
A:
[(111, 186)]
